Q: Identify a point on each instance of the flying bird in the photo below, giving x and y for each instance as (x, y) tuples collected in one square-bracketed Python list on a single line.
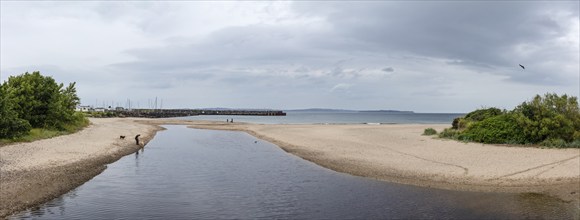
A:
[(522, 66)]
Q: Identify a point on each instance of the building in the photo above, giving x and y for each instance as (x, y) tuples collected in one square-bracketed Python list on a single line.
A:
[(83, 108)]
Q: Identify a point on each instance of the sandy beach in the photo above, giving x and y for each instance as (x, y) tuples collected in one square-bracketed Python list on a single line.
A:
[(400, 153), (35, 172)]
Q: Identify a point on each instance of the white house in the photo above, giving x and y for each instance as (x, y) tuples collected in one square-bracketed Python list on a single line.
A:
[(83, 108)]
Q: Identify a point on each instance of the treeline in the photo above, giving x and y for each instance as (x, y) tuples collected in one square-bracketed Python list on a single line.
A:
[(551, 121), (33, 101)]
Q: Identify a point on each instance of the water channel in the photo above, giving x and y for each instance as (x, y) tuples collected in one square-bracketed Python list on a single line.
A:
[(205, 174)]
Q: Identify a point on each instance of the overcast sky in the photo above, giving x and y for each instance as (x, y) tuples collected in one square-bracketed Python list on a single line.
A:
[(421, 56)]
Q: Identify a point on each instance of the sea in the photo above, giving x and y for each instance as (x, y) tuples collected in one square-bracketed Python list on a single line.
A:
[(338, 117)]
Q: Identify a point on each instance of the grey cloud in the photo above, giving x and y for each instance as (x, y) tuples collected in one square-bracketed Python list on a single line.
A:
[(475, 32), (460, 31), (441, 50), (388, 69), (231, 46)]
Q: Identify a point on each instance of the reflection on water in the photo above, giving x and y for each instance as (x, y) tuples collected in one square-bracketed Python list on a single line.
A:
[(204, 174), (53, 208)]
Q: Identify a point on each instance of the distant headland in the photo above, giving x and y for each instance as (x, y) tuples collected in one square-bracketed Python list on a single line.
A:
[(389, 111)]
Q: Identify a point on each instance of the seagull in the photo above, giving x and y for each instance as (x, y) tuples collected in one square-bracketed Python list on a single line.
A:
[(522, 66)]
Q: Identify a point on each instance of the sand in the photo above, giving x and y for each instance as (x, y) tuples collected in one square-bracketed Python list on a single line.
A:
[(33, 173), (400, 153), (395, 153)]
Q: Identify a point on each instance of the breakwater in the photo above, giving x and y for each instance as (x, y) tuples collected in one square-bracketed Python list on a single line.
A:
[(169, 113)]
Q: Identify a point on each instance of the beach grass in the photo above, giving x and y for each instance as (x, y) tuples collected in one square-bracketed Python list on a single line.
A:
[(45, 133)]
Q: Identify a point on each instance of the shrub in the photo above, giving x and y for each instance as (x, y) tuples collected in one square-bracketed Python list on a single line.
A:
[(550, 117), (79, 122), (455, 123), (460, 123), (551, 121), (449, 133), (482, 114), (574, 144), (40, 100), (13, 127), (32, 100), (10, 125), (557, 143), (475, 116), (500, 129), (429, 131)]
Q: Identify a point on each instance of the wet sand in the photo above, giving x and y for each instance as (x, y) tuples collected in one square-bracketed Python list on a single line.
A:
[(33, 173)]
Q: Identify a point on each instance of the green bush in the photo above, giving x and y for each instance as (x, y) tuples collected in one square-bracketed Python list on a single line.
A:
[(482, 114), (550, 117), (574, 144), (40, 100), (551, 121), (10, 125), (78, 123), (429, 131), (33, 106), (449, 133), (557, 143), (460, 123), (455, 123), (475, 116), (500, 129)]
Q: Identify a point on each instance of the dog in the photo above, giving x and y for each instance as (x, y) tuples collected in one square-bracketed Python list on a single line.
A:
[(121, 137)]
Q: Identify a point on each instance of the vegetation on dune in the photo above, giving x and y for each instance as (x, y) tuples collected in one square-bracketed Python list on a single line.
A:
[(33, 107), (549, 121), (429, 131)]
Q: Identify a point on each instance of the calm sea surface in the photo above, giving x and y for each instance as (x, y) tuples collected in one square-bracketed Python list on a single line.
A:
[(298, 117), (203, 174)]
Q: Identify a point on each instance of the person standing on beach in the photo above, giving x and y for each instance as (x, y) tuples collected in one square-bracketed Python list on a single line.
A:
[(137, 139)]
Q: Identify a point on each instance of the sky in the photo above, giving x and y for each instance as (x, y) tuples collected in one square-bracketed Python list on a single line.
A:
[(422, 56)]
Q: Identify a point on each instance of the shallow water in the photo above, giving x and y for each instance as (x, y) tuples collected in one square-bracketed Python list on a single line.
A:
[(205, 174)]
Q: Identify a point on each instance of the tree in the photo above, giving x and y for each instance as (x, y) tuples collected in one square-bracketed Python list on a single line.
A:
[(41, 101), (10, 125)]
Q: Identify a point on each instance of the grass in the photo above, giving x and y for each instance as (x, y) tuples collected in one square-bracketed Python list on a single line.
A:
[(38, 134), (44, 133)]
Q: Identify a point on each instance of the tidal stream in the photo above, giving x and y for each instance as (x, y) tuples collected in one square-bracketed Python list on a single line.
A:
[(204, 174)]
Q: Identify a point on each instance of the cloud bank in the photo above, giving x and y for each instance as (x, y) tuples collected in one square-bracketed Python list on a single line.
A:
[(421, 56)]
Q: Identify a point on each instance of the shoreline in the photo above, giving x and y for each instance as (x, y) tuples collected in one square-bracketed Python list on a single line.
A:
[(565, 189), (30, 178), (391, 152), (353, 167), (555, 172)]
